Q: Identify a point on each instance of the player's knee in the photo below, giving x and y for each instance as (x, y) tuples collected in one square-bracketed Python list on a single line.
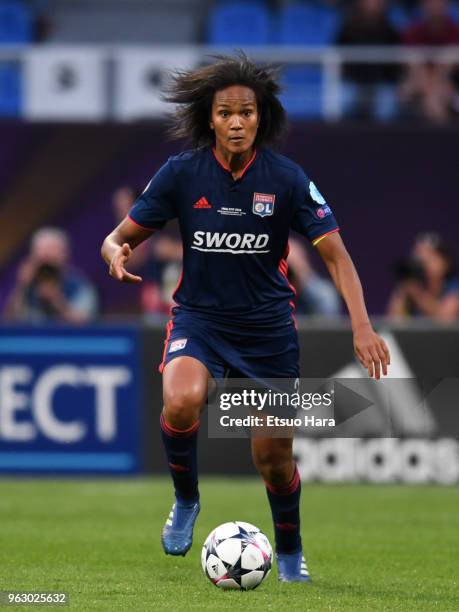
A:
[(182, 407), (273, 467), (277, 474)]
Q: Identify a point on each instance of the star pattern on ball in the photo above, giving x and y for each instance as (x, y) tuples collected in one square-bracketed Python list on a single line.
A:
[(237, 555)]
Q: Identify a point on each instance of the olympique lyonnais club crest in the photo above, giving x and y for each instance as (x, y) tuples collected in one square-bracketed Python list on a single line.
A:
[(263, 204)]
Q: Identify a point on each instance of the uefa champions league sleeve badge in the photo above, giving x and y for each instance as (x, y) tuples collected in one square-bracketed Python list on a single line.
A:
[(263, 204), (315, 194)]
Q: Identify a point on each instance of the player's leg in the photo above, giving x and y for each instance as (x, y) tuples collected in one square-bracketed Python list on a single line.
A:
[(275, 355), (185, 385), (273, 458)]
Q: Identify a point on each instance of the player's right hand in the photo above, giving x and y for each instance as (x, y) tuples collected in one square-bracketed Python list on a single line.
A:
[(117, 269)]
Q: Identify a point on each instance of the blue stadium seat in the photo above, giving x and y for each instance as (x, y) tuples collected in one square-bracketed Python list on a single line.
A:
[(402, 18), (308, 24), (15, 22), (454, 11), (240, 23), (302, 91), (10, 91), (399, 17)]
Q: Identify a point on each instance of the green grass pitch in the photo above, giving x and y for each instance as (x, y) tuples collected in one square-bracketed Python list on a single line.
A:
[(368, 547)]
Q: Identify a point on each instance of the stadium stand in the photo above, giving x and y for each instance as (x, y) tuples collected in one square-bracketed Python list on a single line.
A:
[(308, 24), (305, 24), (302, 95), (16, 22), (143, 21), (399, 17), (229, 23), (240, 23), (10, 90), (16, 25)]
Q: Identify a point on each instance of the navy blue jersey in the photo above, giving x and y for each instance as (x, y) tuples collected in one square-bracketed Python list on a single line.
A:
[(235, 232)]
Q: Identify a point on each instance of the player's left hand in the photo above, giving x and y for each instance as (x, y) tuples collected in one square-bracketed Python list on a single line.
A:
[(371, 351)]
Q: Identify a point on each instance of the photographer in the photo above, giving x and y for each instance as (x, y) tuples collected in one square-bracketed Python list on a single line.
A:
[(426, 282), (47, 289)]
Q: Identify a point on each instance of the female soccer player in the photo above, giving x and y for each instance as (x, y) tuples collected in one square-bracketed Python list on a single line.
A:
[(235, 201)]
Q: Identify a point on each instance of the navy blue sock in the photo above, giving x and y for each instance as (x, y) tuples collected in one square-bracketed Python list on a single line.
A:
[(285, 507), (181, 452)]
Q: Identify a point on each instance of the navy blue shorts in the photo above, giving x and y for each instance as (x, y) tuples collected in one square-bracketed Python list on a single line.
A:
[(228, 350)]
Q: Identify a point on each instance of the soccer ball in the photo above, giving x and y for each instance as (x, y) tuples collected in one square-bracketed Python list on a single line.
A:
[(237, 555)]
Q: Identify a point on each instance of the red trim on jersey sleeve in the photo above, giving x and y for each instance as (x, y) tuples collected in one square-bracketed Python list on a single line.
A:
[(149, 229), (283, 269), (316, 240), (225, 167)]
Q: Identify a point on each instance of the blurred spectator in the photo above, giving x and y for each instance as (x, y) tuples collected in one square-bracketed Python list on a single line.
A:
[(157, 260), (162, 272), (122, 199), (431, 89), (427, 283), (436, 27), (47, 288), (314, 294), (43, 24), (369, 89)]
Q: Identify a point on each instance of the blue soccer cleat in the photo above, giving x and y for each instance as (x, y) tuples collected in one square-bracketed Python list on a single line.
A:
[(177, 535), (291, 567)]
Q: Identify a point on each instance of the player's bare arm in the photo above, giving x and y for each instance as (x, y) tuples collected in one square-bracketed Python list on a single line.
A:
[(118, 246), (370, 348)]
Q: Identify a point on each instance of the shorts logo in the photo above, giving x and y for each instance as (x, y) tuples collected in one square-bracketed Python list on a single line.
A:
[(177, 345), (323, 211), (263, 204)]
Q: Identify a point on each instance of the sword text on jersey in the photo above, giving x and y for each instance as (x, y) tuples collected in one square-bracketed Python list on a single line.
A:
[(216, 242)]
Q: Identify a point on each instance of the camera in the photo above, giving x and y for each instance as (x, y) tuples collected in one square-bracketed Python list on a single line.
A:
[(410, 269)]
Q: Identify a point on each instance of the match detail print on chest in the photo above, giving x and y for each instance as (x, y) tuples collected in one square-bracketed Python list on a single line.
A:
[(227, 203)]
